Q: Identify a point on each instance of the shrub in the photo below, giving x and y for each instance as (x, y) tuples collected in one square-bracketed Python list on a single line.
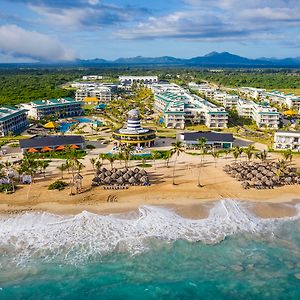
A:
[(7, 188), (57, 185), (90, 147)]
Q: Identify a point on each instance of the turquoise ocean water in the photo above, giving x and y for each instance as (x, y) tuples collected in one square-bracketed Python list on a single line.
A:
[(150, 254)]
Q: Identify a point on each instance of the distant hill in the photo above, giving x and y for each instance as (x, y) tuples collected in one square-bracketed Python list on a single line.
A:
[(216, 59), (213, 59)]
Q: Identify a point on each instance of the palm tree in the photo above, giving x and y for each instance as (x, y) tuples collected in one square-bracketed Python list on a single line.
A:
[(102, 156), (98, 165), (226, 152), (237, 151), (111, 160), (168, 155), (43, 165), (93, 161), (155, 155), (201, 145), (287, 155), (262, 155), (249, 151), (63, 167), (215, 155), (127, 152), (176, 150)]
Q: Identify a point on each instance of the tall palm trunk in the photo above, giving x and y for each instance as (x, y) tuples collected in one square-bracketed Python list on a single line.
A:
[(174, 166)]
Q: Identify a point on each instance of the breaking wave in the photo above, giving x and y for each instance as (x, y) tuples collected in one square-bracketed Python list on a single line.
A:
[(49, 236)]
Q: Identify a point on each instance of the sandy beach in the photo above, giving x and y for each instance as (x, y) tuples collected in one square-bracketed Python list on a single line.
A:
[(186, 198)]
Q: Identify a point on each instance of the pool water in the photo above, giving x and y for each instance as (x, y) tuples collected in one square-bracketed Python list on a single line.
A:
[(64, 127), (83, 120)]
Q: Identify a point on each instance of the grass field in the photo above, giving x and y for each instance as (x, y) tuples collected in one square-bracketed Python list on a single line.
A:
[(293, 91)]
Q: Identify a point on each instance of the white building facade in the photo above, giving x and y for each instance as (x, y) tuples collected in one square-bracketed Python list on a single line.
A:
[(263, 116), (145, 80), (12, 120), (284, 140), (178, 107), (64, 107)]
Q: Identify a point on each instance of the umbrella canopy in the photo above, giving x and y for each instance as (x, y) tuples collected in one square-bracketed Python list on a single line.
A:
[(60, 147), (45, 149), (51, 125), (74, 146), (32, 150)]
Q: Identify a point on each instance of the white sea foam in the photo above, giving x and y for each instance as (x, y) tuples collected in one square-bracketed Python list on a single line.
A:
[(47, 235)]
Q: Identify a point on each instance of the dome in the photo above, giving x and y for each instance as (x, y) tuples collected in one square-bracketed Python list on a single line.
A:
[(134, 114)]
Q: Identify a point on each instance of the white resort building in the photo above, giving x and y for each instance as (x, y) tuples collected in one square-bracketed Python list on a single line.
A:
[(287, 140), (252, 92), (92, 77), (93, 94), (64, 107), (178, 107), (227, 100), (264, 116), (290, 100), (12, 120), (129, 80)]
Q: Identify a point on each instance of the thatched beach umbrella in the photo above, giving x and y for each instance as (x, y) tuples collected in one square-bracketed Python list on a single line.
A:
[(107, 180), (126, 176), (108, 173), (132, 180), (120, 180)]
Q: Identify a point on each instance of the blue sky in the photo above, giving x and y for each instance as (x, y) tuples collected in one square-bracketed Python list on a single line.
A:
[(52, 30)]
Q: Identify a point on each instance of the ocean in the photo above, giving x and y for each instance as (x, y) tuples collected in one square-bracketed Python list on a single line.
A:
[(150, 254)]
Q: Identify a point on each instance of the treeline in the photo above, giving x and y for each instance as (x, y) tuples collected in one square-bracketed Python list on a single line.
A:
[(266, 79), (24, 84)]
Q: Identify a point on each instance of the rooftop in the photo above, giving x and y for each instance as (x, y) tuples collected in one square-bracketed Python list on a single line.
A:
[(209, 136), (51, 140)]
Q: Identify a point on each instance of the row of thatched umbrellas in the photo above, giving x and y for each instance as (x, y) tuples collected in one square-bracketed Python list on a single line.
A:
[(262, 175), (124, 176)]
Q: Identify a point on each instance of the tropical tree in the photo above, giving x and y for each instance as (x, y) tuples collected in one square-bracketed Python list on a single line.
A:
[(201, 146), (167, 157), (93, 161), (102, 156), (43, 165), (227, 152), (249, 152), (262, 155), (237, 152), (287, 155), (63, 167), (111, 160), (155, 155), (177, 148), (215, 155)]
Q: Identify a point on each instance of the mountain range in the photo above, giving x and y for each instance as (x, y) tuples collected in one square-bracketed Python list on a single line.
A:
[(213, 59), (217, 59)]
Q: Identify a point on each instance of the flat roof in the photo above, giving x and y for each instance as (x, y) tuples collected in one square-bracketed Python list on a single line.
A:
[(51, 140), (209, 136)]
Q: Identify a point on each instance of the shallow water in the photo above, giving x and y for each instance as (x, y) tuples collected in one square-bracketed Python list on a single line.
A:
[(153, 254)]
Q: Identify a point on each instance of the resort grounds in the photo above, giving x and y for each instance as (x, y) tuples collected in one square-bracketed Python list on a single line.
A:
[(185, 197)]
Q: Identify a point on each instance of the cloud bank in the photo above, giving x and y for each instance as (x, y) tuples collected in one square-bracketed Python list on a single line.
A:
[(17, 41)]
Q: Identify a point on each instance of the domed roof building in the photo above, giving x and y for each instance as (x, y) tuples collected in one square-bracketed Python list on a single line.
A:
[(133, 133)]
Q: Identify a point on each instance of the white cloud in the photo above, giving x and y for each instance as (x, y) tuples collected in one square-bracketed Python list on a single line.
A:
[(17, 42)]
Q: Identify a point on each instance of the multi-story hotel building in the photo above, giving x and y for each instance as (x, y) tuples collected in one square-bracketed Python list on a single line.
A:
[(180, 107), (252, 92), (290, 100), (12, 120), (64, 107), (287, 140), (227, 100), (129, 80), (264, 116), (102, 94)]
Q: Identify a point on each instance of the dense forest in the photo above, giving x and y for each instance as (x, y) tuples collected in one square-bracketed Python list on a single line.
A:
[(24, 84)]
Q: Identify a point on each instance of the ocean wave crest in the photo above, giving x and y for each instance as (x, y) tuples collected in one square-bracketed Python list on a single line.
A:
[(45, 235)]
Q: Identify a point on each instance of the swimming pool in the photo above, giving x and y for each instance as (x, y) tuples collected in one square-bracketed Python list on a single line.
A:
[(64, 127), (83, 120)]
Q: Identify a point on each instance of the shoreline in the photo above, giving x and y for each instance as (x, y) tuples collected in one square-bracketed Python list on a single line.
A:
[(193, 209), (185, 197)]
